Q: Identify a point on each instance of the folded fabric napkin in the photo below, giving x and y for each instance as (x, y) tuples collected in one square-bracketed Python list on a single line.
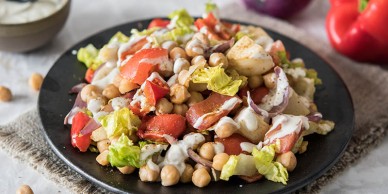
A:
[(368, 85)]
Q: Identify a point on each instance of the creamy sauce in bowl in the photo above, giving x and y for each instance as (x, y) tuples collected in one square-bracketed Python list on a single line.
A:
[(18, 13)]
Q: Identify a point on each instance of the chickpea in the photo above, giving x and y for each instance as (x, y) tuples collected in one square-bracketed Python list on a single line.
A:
[(225, 130), (194, 48), (180, 109), (117, 80), (179, 94), (187, 174), (169, 175), (126, 86), (169, 45), (218, 59), (90, 92), (24, 189), (207, 151), (201, 177), (173, 80), (108, 53), (102, 158), (5, 94), (184, 78), (195, 97), (126, 169), (146, 174), (303, 147), (35, 81), (177, 52), (181, 64), (199, 60), (197, 87), (103, 145), (255, 81), (202, 38), (163, 106), (219, 160), (111, 91), (288, 160), (269, 80)]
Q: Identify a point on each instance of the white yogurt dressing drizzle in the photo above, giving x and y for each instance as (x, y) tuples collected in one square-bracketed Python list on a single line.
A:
[(17, 13), (289, 124), (177, 153)]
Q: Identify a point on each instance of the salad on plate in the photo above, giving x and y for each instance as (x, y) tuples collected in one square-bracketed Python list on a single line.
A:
[(195, 100)]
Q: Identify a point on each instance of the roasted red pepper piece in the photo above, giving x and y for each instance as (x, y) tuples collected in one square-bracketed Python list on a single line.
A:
[(89, 75), (286, 142), (155, 90), (157, 22), (82, 142), (360, 35), (134, 48), (140, 66), (211, 107), (232, 143), (153, 128)]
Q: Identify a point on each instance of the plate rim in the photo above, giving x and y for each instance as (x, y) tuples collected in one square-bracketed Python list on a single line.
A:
[(297, 185)]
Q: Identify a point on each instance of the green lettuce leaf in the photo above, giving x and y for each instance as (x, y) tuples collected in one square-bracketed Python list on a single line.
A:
[(229, 167), (181, 18), (89, 56), (217, 80), (119, 37), (146, 32), (210, 7), (273, 171), (123, 153), (120, 122), (238, 165), (311, 73)]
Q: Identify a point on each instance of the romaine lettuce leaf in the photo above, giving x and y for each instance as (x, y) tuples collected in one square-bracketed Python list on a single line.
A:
[(181, 18), (217, 80), (210, 7), (119, 122), (119, 37), (89, 56), (123, 153), (273, 171), (238, 165)]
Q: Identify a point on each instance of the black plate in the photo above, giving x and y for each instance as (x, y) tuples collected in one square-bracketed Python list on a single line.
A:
[(332, 98)]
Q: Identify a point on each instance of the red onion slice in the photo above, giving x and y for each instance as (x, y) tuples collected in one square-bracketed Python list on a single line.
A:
[(284, 92), (77, 88), (199, 159), (90, 127), (256, 108), (79, 104), (170, 139), (314, 117), (219, 48)]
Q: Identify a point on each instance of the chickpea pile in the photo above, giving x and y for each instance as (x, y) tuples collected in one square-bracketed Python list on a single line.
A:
[(203, 162)]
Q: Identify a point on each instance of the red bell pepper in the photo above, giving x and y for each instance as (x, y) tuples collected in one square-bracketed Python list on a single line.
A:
[(82, 142), (153, 128), (157, 22), (89, 75), (360, 34), (211, 108), (224, 30), (155, 90), (140, 66), (134, 48), (232, 143)]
